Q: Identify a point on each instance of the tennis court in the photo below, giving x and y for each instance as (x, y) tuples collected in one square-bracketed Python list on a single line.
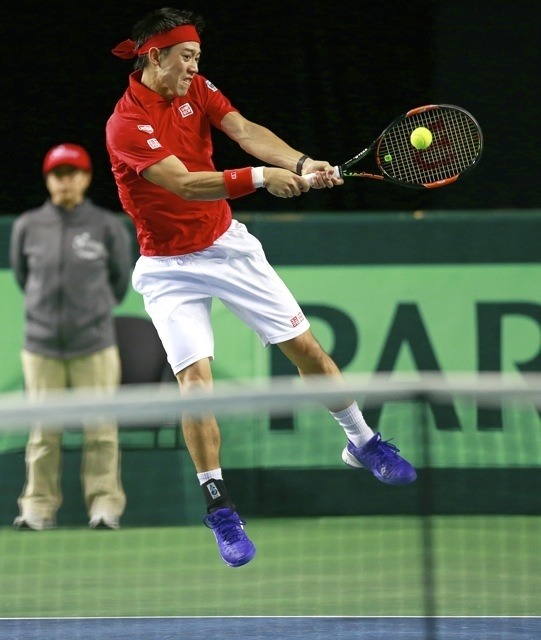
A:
[(271, 628), (313, 578), (455, 556)]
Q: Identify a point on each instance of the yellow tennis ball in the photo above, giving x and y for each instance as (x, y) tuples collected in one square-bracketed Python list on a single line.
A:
[(421, 138)]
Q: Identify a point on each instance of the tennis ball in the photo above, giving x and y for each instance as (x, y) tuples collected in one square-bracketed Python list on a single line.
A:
[(421, 138)]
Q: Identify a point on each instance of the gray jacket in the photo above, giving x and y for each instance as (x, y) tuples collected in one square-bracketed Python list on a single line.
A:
[(73, 267)]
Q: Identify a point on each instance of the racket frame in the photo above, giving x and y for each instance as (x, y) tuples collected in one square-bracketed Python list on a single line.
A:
[(343, 170)]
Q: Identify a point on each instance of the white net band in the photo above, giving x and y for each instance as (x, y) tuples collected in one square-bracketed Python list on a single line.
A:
[(140, 404)]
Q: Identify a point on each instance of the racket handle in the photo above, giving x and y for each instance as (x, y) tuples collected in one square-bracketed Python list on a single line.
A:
[(310, 176)]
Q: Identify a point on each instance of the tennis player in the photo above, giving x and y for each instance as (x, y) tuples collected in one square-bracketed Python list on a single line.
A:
[(160, 147)]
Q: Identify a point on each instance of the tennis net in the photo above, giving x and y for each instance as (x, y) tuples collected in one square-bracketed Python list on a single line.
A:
[(455, 555)]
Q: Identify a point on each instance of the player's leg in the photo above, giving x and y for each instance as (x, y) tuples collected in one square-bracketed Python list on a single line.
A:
[(201, 432), (104, 495), (252, 290), (41, 496), (364, 448), (175, 299), (203, 440)]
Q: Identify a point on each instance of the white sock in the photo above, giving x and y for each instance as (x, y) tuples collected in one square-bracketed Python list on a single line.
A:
[(213, 474), (354, 424)]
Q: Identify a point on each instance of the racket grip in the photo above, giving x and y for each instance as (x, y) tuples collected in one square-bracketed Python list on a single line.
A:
[(310, 176)]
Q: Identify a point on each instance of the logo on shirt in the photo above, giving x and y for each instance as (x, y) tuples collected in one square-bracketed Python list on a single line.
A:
[(185, 110), (146, 128), (153, 143), (210, 85), (86, 248)]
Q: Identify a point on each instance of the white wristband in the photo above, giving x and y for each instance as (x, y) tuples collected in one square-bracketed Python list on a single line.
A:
[(257, 177)]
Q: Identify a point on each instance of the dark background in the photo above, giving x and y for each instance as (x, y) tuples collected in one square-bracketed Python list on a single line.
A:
[(325, 76)]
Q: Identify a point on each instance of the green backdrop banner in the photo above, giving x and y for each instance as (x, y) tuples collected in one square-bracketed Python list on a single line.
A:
[(373, 319), (388, 317)]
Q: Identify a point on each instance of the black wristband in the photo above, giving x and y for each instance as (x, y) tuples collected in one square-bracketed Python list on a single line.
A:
[(300, 163)]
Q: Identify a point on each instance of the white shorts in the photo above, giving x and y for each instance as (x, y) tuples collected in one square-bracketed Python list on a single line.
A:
[(178, 292)]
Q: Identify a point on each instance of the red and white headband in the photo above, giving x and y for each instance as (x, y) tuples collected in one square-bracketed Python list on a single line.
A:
[(183, 33)]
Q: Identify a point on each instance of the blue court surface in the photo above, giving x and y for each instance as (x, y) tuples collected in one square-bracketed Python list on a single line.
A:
[(273, 628)]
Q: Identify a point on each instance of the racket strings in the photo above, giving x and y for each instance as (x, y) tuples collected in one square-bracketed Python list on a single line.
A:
[(455, 147)]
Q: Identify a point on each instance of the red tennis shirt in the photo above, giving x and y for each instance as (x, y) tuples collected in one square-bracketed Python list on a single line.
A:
[(146, 128)]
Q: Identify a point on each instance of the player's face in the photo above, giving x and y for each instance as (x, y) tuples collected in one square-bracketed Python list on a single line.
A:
[(178, 68)]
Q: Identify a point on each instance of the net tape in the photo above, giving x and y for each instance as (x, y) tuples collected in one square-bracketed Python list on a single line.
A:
[(139, 405)]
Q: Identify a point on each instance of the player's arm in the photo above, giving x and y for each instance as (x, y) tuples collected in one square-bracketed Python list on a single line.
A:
[(172, 174), (265, 145)]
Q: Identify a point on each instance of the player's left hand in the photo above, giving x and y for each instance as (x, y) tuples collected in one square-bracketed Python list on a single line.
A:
[(324, 174)]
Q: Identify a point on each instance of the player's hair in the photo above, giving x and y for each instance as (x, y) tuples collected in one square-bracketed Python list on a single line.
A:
[(159, 21)]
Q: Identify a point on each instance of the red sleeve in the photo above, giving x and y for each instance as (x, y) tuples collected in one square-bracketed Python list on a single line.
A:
[(131, 144), (133, 137), (216, 104)]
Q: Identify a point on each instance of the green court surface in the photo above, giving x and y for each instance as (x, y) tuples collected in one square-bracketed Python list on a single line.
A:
[(333, 566)]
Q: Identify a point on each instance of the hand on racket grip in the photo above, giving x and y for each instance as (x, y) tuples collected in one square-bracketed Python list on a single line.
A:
[(310, 176)]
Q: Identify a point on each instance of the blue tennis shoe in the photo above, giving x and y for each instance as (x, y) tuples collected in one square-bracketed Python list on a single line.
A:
[(382, 459), (235, 547)]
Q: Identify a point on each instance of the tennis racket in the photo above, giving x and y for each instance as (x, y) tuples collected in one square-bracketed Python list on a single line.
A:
[(456, 147)]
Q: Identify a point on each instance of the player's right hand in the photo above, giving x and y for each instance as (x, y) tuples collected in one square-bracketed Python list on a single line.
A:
[(283, 183)]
